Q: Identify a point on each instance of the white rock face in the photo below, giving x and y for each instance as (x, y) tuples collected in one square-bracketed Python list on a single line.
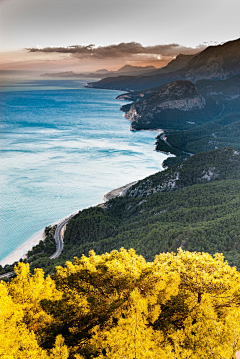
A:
[(186, 104), (178, 95), (209, 174), (132, 114)]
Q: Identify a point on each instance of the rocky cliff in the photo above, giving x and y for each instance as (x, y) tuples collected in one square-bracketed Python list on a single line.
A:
[(178, 95)]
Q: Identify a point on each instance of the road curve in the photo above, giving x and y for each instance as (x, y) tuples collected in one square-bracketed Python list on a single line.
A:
[(164, 139), (58, 237)]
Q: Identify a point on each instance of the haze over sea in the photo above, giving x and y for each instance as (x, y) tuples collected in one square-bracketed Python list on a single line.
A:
[(63, 147)]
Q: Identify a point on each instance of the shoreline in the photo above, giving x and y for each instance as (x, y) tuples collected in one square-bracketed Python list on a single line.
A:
[(23, 249)]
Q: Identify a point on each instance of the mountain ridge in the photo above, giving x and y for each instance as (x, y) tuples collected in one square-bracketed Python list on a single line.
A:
[(215, 62)]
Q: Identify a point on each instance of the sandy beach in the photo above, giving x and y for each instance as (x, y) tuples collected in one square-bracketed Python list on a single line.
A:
[(21, 251)]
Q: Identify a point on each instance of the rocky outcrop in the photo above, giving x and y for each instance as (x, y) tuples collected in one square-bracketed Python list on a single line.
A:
[(200, 168), (118, 192), (178, 95)]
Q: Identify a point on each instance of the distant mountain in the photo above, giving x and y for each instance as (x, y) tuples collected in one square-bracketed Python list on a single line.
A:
[(125, 70), (62, 74), (69, 74), (102, 71), (132, 69), (214, 63)]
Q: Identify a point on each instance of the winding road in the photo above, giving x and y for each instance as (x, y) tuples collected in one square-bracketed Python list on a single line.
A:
[(58, 240), (164, 139), (58, 237)]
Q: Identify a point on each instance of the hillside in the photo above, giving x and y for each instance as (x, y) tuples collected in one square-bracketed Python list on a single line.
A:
[(228, 89), (214, 63), (221, 129), (194, 205), (181, 104), (211, 122), (218, 134)]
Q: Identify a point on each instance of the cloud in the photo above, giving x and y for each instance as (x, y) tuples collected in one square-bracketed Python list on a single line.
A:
[(130, 50)]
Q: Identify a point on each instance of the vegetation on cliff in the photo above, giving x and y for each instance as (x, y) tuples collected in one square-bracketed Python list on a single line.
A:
[(209, 123)]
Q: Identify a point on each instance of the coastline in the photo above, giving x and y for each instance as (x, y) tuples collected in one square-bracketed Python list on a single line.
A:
[(22, 251)]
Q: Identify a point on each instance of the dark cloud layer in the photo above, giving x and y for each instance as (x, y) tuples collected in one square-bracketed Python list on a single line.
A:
[(130, 49)]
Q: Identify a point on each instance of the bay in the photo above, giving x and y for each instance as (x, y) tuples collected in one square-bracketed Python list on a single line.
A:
[(63, 147)]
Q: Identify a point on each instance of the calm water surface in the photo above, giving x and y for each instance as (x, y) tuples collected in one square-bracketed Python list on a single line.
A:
[(63, 147)]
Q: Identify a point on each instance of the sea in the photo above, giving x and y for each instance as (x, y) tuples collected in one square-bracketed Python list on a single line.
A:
[(63, 146)]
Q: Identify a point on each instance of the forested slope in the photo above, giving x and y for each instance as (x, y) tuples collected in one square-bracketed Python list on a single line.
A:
[(217, 134), (194, 205)]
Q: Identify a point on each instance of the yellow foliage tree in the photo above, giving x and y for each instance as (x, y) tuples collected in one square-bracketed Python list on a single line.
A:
[(132, 338), (60, 351), (16, 341), (28, 291), (102, 287), (117, 305), (203, 319)]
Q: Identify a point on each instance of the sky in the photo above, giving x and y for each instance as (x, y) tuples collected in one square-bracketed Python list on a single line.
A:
[(87, 35)]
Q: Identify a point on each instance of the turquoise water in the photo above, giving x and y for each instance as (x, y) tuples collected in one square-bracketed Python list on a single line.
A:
[(63, 147)]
